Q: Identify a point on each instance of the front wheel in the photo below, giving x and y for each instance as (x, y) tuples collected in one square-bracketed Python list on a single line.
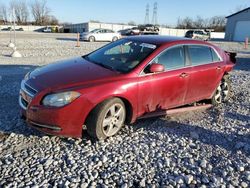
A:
[(106, 119), (223, 91)]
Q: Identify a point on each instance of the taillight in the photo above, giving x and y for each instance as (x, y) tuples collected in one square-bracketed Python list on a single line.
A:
[(232, 56)]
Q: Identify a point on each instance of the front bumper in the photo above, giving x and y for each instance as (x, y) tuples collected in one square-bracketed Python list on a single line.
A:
[(59, 122), (84, 37), (64, 121)]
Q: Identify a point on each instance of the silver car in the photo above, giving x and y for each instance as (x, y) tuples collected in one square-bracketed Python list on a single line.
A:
[(100, 35)]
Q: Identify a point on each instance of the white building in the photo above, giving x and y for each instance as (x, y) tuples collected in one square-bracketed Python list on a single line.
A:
[(89, 26)]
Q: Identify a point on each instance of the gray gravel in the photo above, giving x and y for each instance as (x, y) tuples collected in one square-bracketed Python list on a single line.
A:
[(196, 149)]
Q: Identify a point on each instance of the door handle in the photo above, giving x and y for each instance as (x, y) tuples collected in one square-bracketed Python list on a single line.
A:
[(218, 68), (183, 75)]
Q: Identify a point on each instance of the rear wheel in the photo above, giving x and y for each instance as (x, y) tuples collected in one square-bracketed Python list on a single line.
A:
[(115, 39), (106, 119), (223, 91), (91, 39)]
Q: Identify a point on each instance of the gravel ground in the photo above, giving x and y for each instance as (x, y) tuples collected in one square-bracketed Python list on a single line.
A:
[(195, 149)]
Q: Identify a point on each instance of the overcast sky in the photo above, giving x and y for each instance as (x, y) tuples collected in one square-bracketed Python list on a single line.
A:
[(122, 11)]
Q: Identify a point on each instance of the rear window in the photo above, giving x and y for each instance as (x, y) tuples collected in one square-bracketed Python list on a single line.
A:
[(200, 54), (215, 56), (190, 32)]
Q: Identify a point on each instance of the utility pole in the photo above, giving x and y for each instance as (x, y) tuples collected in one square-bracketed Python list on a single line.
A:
[(146, 21), (154, 18)]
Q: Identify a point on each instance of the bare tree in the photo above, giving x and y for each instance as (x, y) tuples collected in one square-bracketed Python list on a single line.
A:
[(40, 11), (51, 20), (238, 8), (217, 23), (132, 23), (21, 10), (3, 13), (199, 23), (186, 23)]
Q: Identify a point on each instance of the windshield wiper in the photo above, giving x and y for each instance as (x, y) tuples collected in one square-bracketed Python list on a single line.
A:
[(100, 64)]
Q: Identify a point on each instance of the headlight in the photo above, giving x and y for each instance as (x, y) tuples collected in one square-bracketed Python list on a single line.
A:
[(60, 99)]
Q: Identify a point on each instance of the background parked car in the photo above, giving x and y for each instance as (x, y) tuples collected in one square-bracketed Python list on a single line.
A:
[(11, 29), (149, 27), (47, 30), (20, 29), (130, 31), (100, 35), (197, 34)]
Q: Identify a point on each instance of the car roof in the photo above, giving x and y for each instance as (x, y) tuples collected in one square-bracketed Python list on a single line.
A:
[(157, 39)]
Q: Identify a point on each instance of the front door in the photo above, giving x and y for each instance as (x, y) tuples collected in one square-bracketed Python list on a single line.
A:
[(161, 91)]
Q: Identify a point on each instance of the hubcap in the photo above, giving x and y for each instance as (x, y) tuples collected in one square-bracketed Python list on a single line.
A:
[(113, 119), (225, 90), (218, 97), (221, 93)]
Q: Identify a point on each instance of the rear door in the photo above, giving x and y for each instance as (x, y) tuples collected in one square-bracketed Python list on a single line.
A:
[(100, 36), (207, 70), (108, 35), (164, 90)]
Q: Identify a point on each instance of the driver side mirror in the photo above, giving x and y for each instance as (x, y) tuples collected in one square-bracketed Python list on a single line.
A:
[(156, 68)]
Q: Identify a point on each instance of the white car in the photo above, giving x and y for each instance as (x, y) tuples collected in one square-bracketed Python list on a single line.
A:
[(47, 30), (100, 35)]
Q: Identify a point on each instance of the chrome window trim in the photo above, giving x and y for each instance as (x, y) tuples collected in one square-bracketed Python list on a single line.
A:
[(211, 47), (45, 126), (186, 44)]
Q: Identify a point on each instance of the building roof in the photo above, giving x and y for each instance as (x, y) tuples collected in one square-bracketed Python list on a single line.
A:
[(238, 12)]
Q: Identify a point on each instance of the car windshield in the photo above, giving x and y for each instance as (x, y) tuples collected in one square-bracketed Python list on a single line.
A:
[(122, 55)]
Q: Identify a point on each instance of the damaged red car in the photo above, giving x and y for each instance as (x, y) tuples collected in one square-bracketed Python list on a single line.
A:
[(125, 80)]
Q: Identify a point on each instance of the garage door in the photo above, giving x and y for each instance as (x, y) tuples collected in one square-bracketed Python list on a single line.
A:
[(242, 30)]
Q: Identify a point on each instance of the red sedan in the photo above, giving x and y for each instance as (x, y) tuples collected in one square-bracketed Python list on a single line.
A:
[(123, 81)]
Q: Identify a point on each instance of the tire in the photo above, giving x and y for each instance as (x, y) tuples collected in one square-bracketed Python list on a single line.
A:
[(114, 39), (106, 119), (222, 92), (91, 39)]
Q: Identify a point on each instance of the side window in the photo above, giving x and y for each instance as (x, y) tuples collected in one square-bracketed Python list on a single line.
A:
[(109, 31), (172, 58), (200, 54), (215, 56)]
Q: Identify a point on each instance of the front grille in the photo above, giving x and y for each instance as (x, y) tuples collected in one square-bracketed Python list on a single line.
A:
[(24, 102), (30, 90), (27, 93)]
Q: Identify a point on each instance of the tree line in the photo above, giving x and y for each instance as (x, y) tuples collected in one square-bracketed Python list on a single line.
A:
[(37, 9), (217, 23)]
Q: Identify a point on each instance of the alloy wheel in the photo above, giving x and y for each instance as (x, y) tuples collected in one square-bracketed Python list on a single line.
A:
[(113, 119)]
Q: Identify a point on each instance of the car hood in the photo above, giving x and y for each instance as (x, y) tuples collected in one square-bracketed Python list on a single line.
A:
[(68, 73)]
